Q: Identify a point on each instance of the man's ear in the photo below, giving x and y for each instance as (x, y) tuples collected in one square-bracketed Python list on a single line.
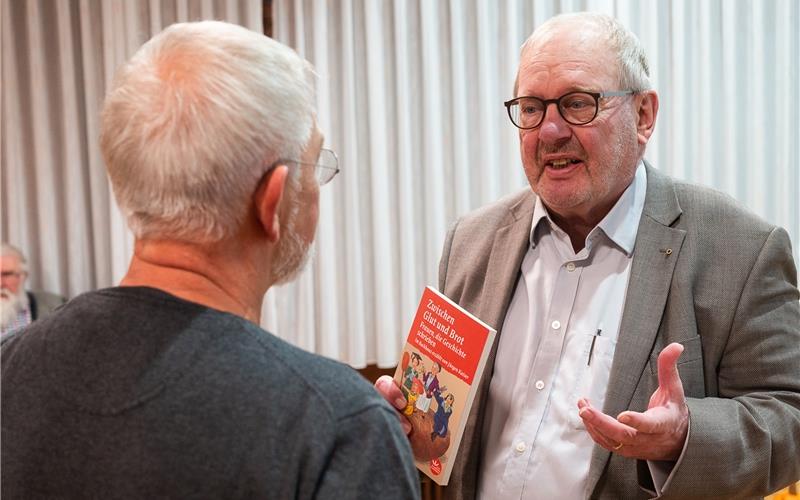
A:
[(267, 200), (647, 111)]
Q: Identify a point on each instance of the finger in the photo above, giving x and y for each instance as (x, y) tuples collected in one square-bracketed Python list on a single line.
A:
[(640, 421), (668, 378), (599, 438), (627, 449), (653, 421), (404, 423), (608, 426), (390, 391)]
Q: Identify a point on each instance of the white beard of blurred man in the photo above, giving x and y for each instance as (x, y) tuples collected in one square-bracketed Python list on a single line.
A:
[(11, 305)]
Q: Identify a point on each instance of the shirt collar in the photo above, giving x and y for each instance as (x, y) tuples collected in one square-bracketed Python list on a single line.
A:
[(620, 224)]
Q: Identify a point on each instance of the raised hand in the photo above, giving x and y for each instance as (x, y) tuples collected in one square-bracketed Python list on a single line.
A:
[(657, 434)]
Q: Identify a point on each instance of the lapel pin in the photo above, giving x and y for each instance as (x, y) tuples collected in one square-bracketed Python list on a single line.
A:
[(666, 251)]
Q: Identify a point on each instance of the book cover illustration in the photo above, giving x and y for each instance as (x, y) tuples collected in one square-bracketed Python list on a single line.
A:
[(439, 372)]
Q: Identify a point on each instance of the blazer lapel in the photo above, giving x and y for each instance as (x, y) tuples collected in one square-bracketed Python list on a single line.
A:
[(491, 302), (509, 247), (655, 254)]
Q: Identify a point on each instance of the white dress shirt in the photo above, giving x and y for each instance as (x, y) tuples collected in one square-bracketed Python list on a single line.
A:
[(566, 305)]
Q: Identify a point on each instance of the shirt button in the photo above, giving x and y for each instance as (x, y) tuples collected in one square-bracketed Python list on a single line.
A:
[(539, 385), (520, 447), (555, 325), (571, 266)]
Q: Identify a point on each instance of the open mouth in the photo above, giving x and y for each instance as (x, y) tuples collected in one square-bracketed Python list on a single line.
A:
[(562, 163)]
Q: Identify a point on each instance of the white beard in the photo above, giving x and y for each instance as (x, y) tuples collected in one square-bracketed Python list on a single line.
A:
[(292, 254), (11, 304)]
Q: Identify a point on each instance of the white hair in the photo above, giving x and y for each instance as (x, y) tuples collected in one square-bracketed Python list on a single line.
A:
[(634, 70), (193, 121), (10, 250)]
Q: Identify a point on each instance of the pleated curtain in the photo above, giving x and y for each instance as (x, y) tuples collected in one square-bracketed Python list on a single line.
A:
[(410, 97)]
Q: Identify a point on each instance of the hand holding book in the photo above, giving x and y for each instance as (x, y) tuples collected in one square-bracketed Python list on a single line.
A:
[(436, 380)]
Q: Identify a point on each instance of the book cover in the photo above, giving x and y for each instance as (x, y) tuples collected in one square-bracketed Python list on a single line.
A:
[(439, 372)]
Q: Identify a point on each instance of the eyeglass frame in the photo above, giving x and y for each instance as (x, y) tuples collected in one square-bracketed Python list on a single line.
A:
[(13, 274), (546, 102), (316, 165)]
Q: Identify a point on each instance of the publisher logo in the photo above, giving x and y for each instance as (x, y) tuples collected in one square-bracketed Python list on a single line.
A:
[(436, 467)]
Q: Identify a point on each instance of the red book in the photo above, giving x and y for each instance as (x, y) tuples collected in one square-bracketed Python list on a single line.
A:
[(439, 371)]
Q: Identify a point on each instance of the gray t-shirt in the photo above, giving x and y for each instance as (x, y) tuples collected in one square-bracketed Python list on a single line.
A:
[(135, 393)]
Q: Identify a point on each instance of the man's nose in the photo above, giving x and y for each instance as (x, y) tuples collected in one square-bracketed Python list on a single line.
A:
[(554, 128)]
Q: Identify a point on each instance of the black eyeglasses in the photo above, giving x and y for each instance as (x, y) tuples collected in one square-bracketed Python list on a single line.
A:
[(325, 169), (577, 108)]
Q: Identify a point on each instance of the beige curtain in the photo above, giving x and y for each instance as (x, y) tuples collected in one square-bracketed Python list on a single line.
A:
[(410, 96)]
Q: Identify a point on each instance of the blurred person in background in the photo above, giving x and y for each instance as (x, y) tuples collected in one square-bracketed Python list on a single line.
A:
[(18, 306)]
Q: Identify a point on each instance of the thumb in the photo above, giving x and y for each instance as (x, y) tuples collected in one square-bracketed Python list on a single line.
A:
[(668, 378), (390, 391)]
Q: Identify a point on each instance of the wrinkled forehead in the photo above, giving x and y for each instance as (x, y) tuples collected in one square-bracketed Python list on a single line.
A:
[(565, 58), (10, 263)]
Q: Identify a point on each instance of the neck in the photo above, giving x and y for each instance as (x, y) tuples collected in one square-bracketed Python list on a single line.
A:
[(221, 276), (579, 222), (577, 227)]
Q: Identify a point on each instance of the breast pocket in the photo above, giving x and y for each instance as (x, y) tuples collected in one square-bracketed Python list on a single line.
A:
[(592, 382)]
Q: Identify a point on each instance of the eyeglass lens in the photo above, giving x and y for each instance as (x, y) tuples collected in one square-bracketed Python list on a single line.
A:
[(577, 108), (327, 166)]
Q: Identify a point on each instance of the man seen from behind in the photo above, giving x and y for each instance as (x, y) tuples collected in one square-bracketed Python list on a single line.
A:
[(165, 387)]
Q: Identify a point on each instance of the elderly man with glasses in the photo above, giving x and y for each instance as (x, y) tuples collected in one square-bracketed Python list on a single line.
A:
[(18, 306), (648, 330), (165, 386)]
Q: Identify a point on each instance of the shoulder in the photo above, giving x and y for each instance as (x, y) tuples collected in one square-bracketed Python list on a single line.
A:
[(188, 347), (499, 213), (712, 208), (700, 205), (332, 387), (711, 215), (720, 232), (343, 419), (474, 232)]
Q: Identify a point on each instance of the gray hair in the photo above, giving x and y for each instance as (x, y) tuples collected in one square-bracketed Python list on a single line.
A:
[(634, 70), (10, 250), (193, 121)]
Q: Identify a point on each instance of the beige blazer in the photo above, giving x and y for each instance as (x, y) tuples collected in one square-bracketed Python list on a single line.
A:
[(705, 273)]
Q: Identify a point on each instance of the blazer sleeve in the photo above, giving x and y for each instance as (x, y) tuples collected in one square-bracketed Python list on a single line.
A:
[(754, 424), (444, 260)]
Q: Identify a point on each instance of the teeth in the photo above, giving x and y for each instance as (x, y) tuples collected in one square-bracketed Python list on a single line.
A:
[(562, 163)]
